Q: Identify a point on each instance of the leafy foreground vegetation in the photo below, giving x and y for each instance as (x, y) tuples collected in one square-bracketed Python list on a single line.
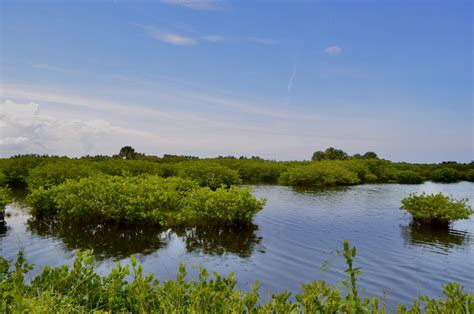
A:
[(436, 208), (79, 289), (147, 200)]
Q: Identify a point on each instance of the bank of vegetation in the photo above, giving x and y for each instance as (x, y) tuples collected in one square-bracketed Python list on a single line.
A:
[(328, 168), (79, 289), (173, 189)]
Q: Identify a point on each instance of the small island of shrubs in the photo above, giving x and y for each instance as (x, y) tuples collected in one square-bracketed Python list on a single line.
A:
[(144, 200), (436, 209)]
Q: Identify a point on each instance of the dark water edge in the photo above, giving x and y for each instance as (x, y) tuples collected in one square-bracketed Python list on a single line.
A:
[(293, 240)]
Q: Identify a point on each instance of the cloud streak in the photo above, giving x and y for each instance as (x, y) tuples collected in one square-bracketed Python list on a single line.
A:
[(333, 50), (170, 37), (201, 5), (194, 38), (290, 81)]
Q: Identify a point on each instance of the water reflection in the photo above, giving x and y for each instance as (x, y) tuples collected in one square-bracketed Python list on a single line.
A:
[(118, 242), (3, 227), (443, 238), (218, 240)]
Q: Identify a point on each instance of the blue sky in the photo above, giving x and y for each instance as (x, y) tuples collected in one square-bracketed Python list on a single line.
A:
[(279, 79)]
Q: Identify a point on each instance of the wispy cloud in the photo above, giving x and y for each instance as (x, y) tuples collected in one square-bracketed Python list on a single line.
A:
[(203, 5), (170, 37), (187, 36), (290, 81), (254, 40), (333, 50)]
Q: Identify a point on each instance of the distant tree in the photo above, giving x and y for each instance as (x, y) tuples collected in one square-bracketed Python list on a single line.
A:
[(357, 156), (370, 155), (335, 154), (318, 156), (128, 152)]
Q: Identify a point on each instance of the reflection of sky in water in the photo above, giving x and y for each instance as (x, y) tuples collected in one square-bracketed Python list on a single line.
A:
[(298, 232)]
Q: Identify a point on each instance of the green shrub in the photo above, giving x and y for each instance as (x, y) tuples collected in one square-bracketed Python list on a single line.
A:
[(436, 208), (322, 173), (54, 173), (469, 175), (445, 175), (227, 206), (79, 289), (143, 200), (5, 197), (409, 177), (209, 174)]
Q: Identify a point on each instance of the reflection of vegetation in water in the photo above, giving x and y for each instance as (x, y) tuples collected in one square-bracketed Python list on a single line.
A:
[(220, 240), (3, 228), (440, 236), (107, 241), (115, 241)]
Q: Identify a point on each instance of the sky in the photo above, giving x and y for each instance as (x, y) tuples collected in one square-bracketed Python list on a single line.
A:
[(278, 79)]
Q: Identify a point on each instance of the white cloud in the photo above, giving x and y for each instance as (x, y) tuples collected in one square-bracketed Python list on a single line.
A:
[(193, 37), (23, 129), (333, 50), (204, 5), (171, 38)]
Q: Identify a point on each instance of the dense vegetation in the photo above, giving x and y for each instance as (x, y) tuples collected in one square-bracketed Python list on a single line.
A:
[(34, 171), (127, 289), (4, 197), (436, 208), (144, 199)]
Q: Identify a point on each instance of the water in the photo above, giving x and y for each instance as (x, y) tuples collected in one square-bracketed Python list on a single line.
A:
[(293, 240)]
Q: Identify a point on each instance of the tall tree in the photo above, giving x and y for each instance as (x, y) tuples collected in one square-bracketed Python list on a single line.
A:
[(128, 152)]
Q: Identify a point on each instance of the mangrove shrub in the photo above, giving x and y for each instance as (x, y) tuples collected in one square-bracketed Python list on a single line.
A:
[(436, 208), (144, 200)]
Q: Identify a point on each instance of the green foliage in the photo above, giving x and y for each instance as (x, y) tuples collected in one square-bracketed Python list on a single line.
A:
[(78, 288), (56, 172), (5, 197), (436, 208), (128, 152), (143, 200), (209, 174), (330, 153), (320, 174), (445, 175), (469, 175), (409, 177)]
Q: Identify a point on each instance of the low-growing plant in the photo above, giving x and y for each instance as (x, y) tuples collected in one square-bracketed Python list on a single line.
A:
[(150, 200), (445, 175), (323, 173), (79, 288), (436, 208), (5, 197), (209, 174), (409, 177)]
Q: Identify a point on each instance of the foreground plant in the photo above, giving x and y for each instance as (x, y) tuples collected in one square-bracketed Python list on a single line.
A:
[(126, 289), (436, 208)]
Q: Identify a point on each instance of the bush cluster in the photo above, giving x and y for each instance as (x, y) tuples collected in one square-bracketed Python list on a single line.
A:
[(4, 197), (149, 200), (79, 289), (436, 208)]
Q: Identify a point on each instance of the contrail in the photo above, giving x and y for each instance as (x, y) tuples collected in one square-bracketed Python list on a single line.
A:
[(292, 77)]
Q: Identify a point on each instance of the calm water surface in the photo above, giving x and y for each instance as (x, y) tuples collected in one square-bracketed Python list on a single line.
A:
[(294, 239)]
